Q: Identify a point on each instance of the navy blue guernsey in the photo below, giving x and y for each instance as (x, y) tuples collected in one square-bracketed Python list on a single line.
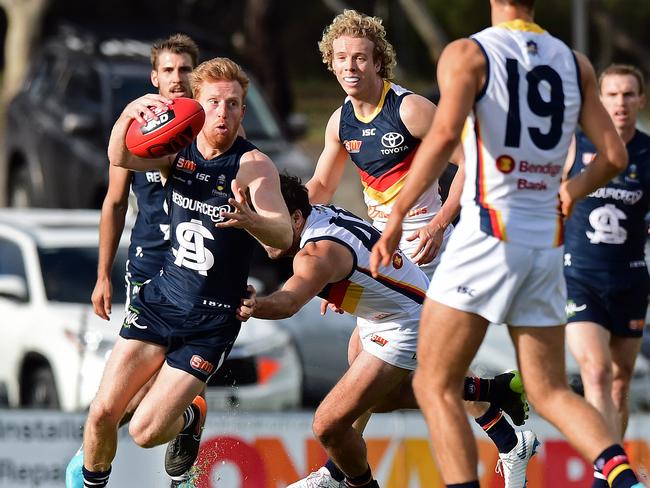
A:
[(382, 148), (150, 233), (607, 230), (206, 265)]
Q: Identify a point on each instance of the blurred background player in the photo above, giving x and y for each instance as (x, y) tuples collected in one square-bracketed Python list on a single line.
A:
[(604, 261), (172, 61), (515, 94), (379, 127)]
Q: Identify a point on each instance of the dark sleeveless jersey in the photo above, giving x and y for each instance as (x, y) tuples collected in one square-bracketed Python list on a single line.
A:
[(607, 230), (206, 265), (150, 233), (382, 148)]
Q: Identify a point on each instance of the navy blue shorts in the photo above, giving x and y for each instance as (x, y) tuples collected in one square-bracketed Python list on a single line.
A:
[(197, 339), (615, 300)]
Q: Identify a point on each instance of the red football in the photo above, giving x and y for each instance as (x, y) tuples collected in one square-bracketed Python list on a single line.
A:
[(176, 127)]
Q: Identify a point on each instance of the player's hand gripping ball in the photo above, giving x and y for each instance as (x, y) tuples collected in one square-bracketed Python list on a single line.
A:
[(176, 127)]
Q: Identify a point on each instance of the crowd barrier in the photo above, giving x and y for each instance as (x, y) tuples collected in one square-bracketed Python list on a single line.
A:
[(265, 450)]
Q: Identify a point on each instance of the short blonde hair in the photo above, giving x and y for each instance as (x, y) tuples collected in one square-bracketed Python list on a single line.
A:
[(217, 69), (355, 24)]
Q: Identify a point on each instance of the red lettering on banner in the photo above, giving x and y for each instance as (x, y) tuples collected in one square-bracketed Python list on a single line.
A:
[(564, 467), (266, 463), (639, 453), (245, 457), (278, 464), (316, 455)]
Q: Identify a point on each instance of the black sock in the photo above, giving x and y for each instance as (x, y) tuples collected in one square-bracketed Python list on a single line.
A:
[(96, 479), (614, 465), (334, 470), (477, 389), (189, 415), (470, 484), (599, 480), (498, 429), (365, 480)]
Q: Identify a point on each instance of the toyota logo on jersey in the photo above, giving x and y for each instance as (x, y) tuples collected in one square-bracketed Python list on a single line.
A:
[(392, 139)]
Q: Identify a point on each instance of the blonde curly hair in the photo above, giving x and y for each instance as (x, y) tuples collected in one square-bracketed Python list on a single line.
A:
[(355, 24)]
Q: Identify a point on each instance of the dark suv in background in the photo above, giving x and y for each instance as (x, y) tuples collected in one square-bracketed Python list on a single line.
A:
[(59, 123)]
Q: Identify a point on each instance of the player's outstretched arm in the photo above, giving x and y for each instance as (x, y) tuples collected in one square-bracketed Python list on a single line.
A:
[(461, 71), (330, 166), (316, 265), (138, 109), (269, 223), (611, 155), (111, 225)]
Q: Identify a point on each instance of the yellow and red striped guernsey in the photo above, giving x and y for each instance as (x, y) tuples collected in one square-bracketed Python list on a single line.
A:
[(517, 136), (400, 287), (382, 148)]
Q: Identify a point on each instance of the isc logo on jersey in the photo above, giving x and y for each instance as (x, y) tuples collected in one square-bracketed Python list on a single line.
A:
[(164, 117)]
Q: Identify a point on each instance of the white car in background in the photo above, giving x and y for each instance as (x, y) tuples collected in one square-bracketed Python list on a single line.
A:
[(53, 347)]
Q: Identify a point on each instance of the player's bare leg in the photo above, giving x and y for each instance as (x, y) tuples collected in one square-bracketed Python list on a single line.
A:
[(540, 353), (589, 344), (447, 343), (130, 365), (624, 353), (362, 386)]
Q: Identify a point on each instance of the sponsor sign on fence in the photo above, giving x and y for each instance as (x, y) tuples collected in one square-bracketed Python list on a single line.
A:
[(258, 450)]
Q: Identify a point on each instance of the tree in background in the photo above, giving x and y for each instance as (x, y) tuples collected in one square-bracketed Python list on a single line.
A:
[(23, 31)]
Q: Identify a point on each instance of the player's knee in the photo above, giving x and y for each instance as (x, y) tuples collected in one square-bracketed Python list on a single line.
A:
[(103, 414), (325, 429), (426, 384), (142, 432), (543, 397), (596, 374)]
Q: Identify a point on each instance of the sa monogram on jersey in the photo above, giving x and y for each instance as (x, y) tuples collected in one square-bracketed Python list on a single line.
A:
[(196, 204)]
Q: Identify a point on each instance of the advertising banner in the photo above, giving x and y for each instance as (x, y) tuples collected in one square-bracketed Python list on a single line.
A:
[(265, 450)]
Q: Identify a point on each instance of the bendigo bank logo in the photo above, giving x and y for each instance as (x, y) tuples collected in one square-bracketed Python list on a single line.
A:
[(505, 164), (398, 261), (200, 364), (352, 146)]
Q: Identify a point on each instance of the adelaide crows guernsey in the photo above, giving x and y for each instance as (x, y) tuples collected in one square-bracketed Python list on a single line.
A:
[(518, 134), (382, 148), (400, 287), (150, 233), (205, 264), (607, 229)]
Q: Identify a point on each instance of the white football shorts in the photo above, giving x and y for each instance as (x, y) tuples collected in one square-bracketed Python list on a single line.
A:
[(500, 281), (393, 341)]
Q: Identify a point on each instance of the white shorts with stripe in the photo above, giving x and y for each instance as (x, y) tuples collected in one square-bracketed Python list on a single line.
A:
[(500, 281), (393, 341)]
